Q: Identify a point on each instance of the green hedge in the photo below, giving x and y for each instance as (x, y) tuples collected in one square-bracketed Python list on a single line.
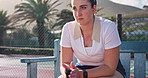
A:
[(27, 52)]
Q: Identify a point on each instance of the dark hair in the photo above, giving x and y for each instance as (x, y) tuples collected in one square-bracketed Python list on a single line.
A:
[(93, 2)]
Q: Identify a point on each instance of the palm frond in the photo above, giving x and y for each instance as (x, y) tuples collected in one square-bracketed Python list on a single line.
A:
[(53, 6), (29, 21), (4, 18), (32, 3), (34, 10), (27, 6), (39, 1)]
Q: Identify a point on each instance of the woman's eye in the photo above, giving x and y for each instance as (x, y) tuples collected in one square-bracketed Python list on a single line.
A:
[(74, 8), (83, 8)]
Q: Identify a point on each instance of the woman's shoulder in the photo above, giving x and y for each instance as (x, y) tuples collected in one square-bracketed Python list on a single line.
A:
[(69, 24), (106, 24), (105, 21)]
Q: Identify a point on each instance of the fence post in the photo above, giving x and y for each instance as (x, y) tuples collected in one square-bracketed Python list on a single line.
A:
[(119, 24)]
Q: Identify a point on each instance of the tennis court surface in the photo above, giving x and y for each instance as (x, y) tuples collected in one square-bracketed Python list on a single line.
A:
[(11, 67)]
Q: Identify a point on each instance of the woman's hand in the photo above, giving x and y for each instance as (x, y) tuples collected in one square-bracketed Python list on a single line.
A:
[(66, 67), (75, 72)]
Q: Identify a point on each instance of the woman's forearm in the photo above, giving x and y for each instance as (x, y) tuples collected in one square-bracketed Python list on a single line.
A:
[(62, 70), (100, 71)]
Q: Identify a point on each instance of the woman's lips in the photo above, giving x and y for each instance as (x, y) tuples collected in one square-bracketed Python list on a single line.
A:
[(80, 18)]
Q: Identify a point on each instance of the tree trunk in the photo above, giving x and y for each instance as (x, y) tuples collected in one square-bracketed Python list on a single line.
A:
[(41, 33), (1, 39)]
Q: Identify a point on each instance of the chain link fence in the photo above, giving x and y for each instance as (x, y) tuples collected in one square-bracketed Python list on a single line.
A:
[(135, 29), (24, 41)]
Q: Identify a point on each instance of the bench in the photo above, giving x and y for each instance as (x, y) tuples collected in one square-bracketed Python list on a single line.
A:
[(139, 48)]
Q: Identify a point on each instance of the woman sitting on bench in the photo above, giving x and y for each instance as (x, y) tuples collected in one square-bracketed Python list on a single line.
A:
[(94, 41)]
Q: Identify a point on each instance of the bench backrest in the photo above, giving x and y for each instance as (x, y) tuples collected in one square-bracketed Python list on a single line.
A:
[(139, 50)]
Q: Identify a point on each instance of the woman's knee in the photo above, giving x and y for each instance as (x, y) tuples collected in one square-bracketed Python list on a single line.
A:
[(61, 76), (116, 75)]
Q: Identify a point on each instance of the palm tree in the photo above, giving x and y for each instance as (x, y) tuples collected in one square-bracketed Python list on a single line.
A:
[(4, 21), (64, 16), (39, 11)]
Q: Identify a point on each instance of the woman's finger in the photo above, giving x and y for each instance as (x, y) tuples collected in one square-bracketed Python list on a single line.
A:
[(66, 66), (74, 73), (72, 65)]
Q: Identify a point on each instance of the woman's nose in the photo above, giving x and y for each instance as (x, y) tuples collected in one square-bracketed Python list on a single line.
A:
[(79, 13)]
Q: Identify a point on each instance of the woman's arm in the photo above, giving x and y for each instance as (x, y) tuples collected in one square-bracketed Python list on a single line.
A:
[(111, 58), (66, 57)]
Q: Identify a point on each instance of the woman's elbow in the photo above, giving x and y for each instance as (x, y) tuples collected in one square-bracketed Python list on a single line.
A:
[(111, 72)]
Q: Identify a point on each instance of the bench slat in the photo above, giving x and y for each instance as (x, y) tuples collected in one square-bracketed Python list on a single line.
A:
[(140, 65), (134, 46), (125, 60), (35, 60)]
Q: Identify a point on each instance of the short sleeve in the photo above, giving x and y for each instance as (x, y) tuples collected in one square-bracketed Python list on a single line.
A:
[(112, 38), (65, 37)]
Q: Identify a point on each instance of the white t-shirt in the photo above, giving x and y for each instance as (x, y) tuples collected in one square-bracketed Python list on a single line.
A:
[(105, 36)]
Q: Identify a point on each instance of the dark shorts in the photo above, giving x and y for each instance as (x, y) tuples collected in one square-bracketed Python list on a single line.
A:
[(120, 68)]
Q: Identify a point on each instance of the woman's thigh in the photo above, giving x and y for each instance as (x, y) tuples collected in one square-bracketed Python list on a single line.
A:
[(116, 75), (61, 76)]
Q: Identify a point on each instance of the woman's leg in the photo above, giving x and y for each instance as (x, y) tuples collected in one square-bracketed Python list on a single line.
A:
[(61, 76), (116, 75)]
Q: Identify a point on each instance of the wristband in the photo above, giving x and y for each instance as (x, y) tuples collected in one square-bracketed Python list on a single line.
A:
[(85, 74), (67, 72)]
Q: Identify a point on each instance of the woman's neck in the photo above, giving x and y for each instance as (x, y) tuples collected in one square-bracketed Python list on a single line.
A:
[(87, 27)]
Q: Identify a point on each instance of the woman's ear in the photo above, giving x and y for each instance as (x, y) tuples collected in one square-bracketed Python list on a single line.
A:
[(95, 9)]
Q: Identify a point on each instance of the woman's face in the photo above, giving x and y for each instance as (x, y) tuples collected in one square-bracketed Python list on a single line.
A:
[(82, 11)]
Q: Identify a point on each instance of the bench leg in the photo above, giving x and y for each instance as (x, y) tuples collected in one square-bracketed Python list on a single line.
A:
[(31, 70)]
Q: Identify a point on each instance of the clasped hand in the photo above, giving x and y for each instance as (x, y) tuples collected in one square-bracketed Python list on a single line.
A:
[(74, 73)]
